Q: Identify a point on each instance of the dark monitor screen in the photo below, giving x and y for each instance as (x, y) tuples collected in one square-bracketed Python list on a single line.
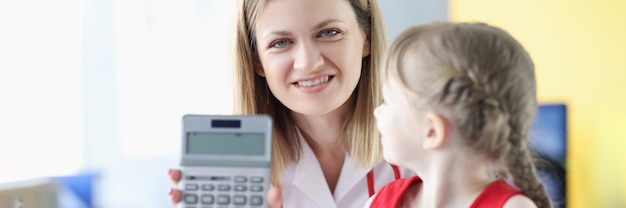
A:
[(548, 134), (548, 141)]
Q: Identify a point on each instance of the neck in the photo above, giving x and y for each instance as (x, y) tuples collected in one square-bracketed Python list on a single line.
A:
[(323, 132), (453, 181)]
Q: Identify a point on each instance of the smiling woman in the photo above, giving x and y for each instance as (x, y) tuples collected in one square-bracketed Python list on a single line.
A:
[(305, 54)]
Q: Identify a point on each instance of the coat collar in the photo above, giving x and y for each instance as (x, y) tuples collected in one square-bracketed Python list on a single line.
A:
[(349, 178), (309, 178)]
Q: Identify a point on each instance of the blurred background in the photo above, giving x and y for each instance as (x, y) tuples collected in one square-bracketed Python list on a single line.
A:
[(92, 91)]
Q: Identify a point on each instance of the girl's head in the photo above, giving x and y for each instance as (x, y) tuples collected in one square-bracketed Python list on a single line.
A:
[(310, 58), (472, 80)]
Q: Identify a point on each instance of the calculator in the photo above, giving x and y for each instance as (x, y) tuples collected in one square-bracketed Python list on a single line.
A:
[(226, 161)]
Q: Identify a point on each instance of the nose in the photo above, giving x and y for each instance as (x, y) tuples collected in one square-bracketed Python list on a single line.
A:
[(307, 57)]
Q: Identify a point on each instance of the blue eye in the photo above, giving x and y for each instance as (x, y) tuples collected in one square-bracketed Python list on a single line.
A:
[(329, 33), (279, 44)]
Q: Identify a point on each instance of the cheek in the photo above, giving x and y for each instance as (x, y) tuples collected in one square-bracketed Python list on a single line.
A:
[(276, 69), (400, 132), (391, 132), (346, 56), (382, 120)]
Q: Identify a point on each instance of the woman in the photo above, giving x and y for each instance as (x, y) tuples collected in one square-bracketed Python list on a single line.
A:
[(313, 66)]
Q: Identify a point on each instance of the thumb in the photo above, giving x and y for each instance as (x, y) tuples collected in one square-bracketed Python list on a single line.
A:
[(274, 197)]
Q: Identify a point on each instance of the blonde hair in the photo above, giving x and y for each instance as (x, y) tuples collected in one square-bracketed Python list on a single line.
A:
[(252, 94), (485, 80)]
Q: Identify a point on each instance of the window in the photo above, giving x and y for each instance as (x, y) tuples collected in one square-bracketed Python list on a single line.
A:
[(41, 89), (171, 59)]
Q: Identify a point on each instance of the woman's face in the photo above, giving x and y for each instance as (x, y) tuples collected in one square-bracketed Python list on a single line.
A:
[(310, 53)]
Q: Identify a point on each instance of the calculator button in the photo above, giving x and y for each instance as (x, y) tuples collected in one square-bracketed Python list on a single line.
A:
[(191, 199), (256, 179), (240, 179), (191, 187), (208, 187), (256, 200), (239, 200), (223, 199), (220, 178), (207, 199), (223, 187), (256, 188), (240, 188)]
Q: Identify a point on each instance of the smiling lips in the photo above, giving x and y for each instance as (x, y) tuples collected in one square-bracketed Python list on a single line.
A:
[(314, 85), (311, 83)]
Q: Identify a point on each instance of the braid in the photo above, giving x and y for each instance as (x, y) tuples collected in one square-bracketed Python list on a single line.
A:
[(495, 123), (481, 116), (491, 120), (522, 171), (487, 124)]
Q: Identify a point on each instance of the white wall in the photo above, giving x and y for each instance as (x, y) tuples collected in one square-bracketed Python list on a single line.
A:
[(41, 109), (400, 14)]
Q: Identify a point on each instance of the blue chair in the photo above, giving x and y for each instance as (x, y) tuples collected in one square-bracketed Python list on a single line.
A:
[(81, 186)]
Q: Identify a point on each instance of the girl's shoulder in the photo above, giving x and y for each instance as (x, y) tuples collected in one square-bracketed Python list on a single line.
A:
[(392, 194), (519, 201), (501, 194)]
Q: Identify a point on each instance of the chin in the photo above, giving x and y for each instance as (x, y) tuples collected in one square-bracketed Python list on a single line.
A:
[(392, 158), (388, 157), (315, 108)]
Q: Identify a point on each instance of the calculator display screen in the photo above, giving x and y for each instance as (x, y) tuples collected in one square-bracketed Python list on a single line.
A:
[(211, 143)]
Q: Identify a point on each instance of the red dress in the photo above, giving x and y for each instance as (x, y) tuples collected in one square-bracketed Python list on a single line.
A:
[(494, 195)]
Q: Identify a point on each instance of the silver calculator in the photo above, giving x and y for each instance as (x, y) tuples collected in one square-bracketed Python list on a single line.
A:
[(226, 161)]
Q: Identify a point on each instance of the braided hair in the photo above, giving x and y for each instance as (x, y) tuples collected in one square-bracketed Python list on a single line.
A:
[(485, 79)]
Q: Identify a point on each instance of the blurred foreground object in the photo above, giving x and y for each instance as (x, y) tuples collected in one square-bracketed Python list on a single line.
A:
[(72, 191), (41, 193)]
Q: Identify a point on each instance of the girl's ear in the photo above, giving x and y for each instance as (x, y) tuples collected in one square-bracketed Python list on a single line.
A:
[(436, 131)]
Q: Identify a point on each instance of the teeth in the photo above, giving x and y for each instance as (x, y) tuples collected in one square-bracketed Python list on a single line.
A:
[(311, 83)]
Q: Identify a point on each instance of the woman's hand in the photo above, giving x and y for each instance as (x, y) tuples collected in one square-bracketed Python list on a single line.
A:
[(274, 195), (175, 194)]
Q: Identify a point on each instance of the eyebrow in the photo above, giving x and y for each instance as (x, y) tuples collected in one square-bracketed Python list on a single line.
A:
[(316, 27), (324, 23)]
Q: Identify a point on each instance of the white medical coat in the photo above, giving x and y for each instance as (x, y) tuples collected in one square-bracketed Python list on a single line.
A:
[(304, 185)]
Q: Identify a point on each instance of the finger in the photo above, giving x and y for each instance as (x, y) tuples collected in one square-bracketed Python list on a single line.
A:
[(274, 197), (175, 196), (175, 175)]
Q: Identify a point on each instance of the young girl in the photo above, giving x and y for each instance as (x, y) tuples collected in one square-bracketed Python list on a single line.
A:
[(459, 100)]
